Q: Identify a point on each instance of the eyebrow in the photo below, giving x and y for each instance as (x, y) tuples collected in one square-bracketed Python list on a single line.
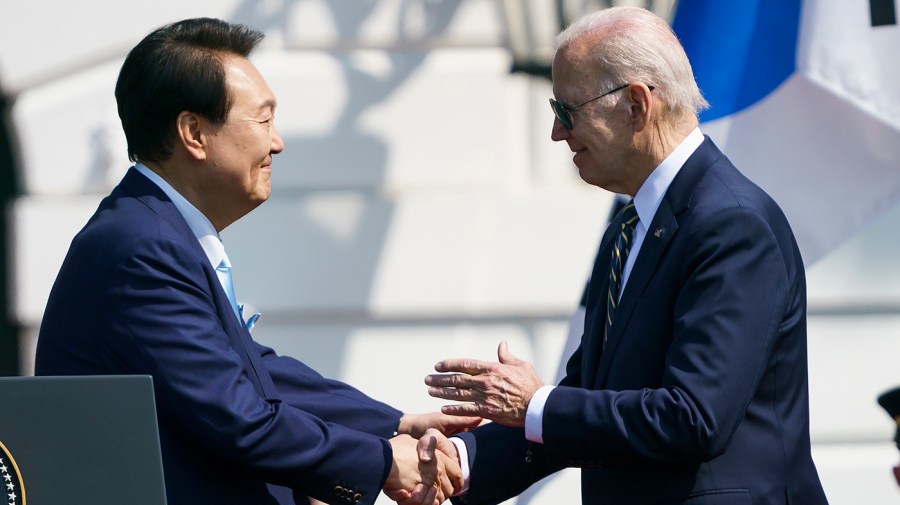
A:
[(268, 104)]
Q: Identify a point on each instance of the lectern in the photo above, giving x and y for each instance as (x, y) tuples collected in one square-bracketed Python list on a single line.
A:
[(73, 440)]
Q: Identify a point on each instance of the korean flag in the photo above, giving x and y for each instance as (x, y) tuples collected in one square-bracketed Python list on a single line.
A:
[(805, 100)]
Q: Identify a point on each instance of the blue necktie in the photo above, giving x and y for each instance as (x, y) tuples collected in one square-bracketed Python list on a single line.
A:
[(224, 273), (617, 266)]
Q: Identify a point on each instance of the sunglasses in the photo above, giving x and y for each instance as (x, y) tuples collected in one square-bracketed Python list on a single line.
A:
[(564, 113)]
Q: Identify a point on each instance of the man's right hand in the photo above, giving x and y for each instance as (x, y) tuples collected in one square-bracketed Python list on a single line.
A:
[(424, 472)]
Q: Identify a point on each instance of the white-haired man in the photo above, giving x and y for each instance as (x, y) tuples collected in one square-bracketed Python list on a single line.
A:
[(690, 383)]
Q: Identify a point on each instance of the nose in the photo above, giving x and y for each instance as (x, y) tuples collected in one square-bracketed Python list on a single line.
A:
[(558, 132), (277, 141)]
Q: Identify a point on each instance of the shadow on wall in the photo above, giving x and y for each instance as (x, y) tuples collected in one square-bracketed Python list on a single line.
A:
[(301, 255)]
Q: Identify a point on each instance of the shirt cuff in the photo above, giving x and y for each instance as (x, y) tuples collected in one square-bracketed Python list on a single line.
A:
[(534, 416), (463, 463)]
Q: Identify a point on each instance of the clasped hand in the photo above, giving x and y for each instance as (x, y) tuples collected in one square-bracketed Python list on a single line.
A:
[(425, 472), (496, 391)]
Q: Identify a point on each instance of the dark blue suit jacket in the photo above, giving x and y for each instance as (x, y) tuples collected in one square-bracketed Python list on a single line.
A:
[(700, 396), (238, 423)]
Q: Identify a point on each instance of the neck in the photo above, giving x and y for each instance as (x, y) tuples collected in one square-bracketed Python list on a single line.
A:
[(664, 138), (654, 144), (177, 174)]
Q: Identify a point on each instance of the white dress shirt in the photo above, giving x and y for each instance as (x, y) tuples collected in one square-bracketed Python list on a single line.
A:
[(201, 226)]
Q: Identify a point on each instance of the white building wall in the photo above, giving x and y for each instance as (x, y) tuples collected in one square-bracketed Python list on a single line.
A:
[(419, 210)]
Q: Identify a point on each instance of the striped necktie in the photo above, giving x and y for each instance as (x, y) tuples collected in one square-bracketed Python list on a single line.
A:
[(617, 265)]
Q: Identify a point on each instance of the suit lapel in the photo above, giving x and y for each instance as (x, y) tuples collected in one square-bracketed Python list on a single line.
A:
[(660, 233), (135, 184), (241, 339)]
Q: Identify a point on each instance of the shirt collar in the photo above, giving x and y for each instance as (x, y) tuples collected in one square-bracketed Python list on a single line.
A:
[(651, 193), (201, 226)]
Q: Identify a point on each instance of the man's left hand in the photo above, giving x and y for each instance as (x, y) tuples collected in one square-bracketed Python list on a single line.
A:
[(496, 391)]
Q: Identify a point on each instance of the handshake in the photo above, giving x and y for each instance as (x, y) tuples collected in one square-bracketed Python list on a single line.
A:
[(426, 471)]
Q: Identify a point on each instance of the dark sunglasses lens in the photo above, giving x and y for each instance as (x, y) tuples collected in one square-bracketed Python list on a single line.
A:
[(559, 110)]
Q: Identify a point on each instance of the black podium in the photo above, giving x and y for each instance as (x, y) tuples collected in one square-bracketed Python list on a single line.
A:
[(79, 440)]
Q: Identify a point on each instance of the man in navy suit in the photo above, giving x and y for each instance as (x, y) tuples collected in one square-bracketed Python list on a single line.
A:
[(146, 289), (690, 383)]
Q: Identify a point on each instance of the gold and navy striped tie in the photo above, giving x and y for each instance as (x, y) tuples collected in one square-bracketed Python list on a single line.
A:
[(617, 266)]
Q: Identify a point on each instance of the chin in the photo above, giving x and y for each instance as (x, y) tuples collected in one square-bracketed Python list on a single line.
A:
[(588, 177), (261, 195)]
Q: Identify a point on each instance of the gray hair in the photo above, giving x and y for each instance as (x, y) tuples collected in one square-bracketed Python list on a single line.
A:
[(630, 44)]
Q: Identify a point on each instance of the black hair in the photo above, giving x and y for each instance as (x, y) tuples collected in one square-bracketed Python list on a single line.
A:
[(177, 68)]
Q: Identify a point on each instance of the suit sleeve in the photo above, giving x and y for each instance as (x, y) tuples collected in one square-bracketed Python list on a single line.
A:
[(727, 311), (503, 464), (159, 307), (572, 377), (303, 388)]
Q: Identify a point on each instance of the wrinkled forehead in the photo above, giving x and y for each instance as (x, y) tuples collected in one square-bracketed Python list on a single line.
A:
[(573, 71)]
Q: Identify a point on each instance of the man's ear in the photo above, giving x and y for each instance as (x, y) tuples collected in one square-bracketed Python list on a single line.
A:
[(191, 135), (640, 100)]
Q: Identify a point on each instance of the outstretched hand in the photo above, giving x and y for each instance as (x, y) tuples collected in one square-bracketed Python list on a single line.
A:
[(496, 391), (424, 472)]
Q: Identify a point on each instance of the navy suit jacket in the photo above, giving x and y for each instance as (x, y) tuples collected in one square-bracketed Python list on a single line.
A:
[(700, 396), (238, 424)]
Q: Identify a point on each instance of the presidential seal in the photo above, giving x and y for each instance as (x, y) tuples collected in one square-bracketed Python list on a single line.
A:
[(10, 478)]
